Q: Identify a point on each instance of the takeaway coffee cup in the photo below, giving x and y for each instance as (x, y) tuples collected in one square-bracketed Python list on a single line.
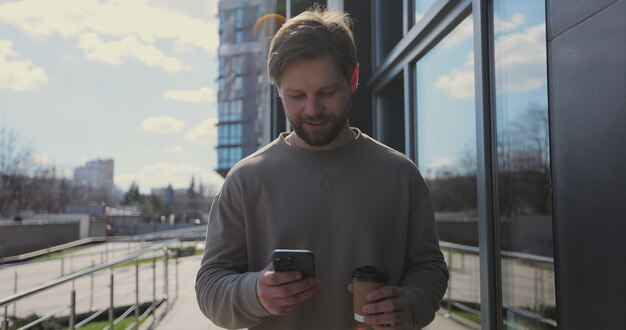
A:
[(364, 280)]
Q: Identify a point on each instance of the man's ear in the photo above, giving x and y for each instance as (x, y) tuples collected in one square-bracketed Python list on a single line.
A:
[(354, 81)]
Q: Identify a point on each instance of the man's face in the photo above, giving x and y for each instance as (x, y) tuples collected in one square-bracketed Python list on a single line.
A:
[(316, 99)]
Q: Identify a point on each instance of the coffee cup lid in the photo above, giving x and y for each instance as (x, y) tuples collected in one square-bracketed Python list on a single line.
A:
[(370, 274)]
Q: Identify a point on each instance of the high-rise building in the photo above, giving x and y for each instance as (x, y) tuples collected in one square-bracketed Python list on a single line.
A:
[(239, 69), (247, 118), (96, 174)]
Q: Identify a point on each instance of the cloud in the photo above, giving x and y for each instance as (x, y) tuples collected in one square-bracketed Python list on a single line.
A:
[(520, 65), (130, 47), (204, 133), (162, 124), (521, 59), (176, 150), (161, 174), (502, 26), (17, 74), (204, 94), (465, 30), (462, 32), (459, 84), (441, 162), (145, 22)]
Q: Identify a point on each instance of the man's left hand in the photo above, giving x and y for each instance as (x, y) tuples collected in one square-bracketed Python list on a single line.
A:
[(389, 308)]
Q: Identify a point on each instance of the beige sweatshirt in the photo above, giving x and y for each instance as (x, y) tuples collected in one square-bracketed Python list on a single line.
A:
[(362, 204)]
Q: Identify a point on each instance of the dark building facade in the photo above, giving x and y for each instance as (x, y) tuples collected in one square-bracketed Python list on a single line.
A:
[(512, 111)]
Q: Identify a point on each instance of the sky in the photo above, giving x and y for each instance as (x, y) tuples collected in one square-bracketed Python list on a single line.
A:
[(135, 80), (445, 83), (131, 80)]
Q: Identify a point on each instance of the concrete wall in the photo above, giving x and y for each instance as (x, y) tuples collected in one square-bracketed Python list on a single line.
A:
[(16, 239), (587, 92)]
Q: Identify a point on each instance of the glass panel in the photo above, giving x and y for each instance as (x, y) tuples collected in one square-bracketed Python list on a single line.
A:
[(523, 165), (388, 28), (446, 157), (390, 115), (420, 7)]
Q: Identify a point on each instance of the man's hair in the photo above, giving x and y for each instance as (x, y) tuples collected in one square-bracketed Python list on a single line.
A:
[(312, 34)]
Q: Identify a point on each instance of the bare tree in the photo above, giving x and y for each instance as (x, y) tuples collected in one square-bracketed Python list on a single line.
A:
[(16, 162)]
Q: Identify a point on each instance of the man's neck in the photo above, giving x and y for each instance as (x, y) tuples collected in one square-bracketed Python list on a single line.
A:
[(346, 136)]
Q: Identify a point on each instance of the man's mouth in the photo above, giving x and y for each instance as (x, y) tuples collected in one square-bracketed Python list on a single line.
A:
[(317, 123)]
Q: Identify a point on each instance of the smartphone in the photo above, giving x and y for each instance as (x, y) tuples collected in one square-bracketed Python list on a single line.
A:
[(298, 260)]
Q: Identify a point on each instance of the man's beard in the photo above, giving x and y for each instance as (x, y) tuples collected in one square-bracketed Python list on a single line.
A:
[(336, 125)]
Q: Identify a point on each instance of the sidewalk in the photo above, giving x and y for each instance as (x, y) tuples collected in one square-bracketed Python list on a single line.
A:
[(185, 313)]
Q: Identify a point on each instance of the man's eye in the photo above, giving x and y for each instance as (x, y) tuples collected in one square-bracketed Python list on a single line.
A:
[(297, 96), (328, 93)]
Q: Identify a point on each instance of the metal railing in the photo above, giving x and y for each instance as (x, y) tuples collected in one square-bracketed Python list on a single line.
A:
[(528, 287), (159, 250)]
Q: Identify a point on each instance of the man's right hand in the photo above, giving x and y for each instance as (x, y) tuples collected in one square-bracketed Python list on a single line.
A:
[(279, 292)]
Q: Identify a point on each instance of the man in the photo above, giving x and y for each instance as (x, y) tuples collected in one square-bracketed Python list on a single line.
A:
[(328, 188)]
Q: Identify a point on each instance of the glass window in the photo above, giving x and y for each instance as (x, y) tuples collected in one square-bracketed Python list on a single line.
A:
[(228, 157), (223, 18), (229, 134), (446, 157), (222, 65), (523, 165), (239, 83), (420, 7), (239, 64), (239, 18), (231, 110), (239, 37), (388, 28), (390, 115)]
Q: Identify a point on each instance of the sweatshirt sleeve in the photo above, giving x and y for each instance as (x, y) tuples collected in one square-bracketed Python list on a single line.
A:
[(225, 290), (425, 274)]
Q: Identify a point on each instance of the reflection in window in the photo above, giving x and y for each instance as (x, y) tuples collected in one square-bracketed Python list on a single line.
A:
[(523, 165), (390, 115), (446, 157), (388, 15), (420, 7)]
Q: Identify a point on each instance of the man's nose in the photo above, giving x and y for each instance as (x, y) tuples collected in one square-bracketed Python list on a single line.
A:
[(313, 107)]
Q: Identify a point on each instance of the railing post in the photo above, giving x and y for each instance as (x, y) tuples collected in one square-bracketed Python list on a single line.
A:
[(449, 302), (5, 322), (176, 275), (153, 288), (72, 309), (111, 303), (15, 292), (91, 288), (165, 277), (62, 265), (137, 311)]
